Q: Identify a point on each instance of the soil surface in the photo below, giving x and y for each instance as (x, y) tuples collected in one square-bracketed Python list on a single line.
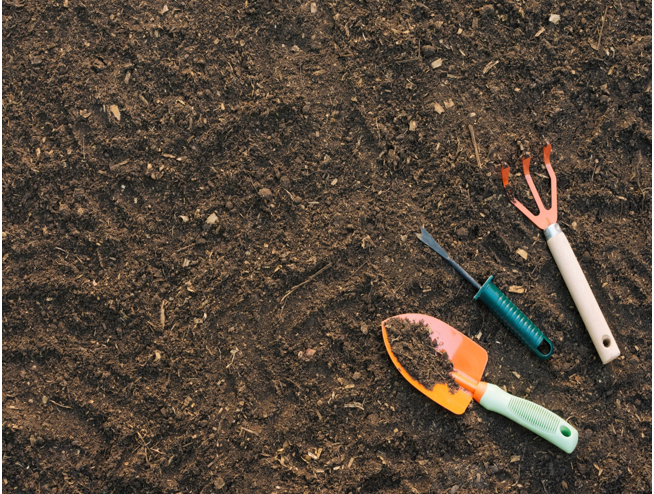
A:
[(411, 343), (209, 208)]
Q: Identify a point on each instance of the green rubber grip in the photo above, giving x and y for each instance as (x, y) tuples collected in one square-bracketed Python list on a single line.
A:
[(514, 319), (536, 418)]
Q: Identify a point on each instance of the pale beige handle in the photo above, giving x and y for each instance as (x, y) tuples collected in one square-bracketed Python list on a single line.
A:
[(581, 294)]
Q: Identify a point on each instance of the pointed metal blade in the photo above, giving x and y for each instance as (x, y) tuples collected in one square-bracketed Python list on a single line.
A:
[(428, 240), (433, 245)]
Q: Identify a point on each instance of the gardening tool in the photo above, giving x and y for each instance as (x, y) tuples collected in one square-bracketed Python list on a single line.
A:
[(565, 259), (500, 305), (469, 361)]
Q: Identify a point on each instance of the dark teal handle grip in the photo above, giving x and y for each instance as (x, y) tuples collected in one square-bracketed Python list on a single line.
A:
[(514, 319)]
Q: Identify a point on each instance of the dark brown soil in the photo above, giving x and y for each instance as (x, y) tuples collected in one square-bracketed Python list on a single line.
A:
[(172, 170), (411, 343)]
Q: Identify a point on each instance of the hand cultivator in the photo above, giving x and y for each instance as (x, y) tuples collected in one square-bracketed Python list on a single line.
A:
[(565, 259)]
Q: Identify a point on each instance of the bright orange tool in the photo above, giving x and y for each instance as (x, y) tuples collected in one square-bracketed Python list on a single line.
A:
[(469, 361), (565, 259), (546, 217)]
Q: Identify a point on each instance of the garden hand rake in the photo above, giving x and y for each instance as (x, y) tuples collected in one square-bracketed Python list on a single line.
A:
[(565, 259)]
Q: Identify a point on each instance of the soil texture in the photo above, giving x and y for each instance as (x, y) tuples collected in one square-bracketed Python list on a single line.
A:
[(209, 208), (415, 350)]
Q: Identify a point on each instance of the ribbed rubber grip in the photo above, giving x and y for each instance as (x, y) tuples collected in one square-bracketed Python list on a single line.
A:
[(537, 419), (514, 319)]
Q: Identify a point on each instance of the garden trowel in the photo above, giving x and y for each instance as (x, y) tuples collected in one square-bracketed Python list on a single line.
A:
[(469, 361)]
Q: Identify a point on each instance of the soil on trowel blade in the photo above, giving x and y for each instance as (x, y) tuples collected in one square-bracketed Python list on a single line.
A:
[(419, 355)]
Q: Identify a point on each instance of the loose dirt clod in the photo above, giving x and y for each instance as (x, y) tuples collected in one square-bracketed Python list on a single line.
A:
[(427, 51), (265, 193), (419, 355)]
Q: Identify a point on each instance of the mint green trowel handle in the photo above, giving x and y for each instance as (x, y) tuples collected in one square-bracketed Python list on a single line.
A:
[(514, 319), (546, 424)]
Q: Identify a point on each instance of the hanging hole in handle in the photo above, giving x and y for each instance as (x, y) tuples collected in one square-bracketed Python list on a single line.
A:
[(565, 431), (606, 341), (545, 348)]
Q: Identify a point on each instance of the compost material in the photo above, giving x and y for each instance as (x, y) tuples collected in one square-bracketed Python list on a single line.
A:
[(419, 355), (172, 170)]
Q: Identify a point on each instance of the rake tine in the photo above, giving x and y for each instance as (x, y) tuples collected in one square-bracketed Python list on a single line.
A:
[(550, 171), (511, 195), (545, 217)]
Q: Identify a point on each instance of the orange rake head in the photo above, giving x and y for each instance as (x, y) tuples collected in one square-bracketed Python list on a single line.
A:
[(468, 360), (546, 217)]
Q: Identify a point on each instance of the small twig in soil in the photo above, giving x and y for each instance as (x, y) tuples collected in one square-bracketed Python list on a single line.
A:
[(233, 352), (599, 40), (183, 248), (60, 405), (310, 278), (146, 448), (516, 482), (356, 270), (243, 429), (408, 60), (474, 143), (162, 314)]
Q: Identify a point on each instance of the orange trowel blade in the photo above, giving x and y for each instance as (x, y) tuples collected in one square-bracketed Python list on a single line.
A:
[(467, 357)]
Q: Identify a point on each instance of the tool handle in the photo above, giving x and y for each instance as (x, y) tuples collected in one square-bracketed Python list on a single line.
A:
[(581, 293), (536, 418), (514, 319)]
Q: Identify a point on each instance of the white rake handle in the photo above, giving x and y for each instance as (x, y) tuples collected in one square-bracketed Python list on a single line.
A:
[(581, 293)]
